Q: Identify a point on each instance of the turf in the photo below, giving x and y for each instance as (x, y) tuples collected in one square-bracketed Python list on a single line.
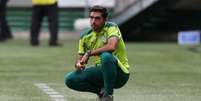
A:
[(159, 72)]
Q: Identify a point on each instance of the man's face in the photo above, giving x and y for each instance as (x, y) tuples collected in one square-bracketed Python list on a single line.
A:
[(96, 21)]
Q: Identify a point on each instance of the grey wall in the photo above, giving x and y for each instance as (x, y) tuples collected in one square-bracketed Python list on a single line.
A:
[(20, 3)]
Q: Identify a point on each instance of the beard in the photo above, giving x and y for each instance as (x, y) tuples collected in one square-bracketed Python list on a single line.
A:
[(96, 28)]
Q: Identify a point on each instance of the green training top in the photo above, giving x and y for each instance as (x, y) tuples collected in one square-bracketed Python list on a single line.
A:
[(91, 40)]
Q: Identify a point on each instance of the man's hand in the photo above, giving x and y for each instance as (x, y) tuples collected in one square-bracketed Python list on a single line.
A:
[(79, 66), (82, 61), (85, 57)]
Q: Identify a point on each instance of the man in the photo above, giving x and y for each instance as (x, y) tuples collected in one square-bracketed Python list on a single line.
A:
[(105, 43), (5, 32), (42, 8)]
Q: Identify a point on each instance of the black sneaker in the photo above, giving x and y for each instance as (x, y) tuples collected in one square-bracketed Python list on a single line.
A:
[(34, 43), (100, 95), (107, 98)]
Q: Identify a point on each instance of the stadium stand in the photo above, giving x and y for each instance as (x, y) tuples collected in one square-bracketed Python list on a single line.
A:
[(20, 19), (138, 19), (19, 13), (159, 20)]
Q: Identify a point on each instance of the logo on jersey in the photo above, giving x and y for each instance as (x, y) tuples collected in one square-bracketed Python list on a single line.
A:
[(104, 39)]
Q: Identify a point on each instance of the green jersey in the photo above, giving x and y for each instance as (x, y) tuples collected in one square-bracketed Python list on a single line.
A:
[(91, 40)]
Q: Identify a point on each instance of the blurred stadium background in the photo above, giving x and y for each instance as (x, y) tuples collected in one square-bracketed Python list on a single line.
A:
[(160, 71), (139, 20)]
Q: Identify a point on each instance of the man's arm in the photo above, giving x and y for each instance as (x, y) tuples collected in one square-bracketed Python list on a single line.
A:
[(78, 64), (109, 47)]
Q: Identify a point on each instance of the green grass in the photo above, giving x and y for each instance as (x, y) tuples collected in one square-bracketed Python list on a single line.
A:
[(159, 72)]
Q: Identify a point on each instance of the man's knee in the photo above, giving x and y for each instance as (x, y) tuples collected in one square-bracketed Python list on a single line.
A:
[(70, 80), (106, 56)]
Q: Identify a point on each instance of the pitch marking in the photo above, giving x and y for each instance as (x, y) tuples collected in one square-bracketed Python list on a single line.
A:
[(50, 91)]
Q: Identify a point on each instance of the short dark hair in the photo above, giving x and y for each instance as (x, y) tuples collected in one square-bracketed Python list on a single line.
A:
[(100, 9)]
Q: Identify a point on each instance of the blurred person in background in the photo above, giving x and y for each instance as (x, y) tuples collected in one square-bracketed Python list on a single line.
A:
[(111, 69), (5, 32), (42, 8)]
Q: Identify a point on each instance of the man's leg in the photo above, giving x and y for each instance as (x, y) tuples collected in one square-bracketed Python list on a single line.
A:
[(52, 13), (5, 28), (37, 17), (7, 31), (109, 69), (113, 76), (88, 80), (1, 35), (2, 16), (122, 78)]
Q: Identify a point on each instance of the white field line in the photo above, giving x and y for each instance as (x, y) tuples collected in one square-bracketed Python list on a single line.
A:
[(50, 91)]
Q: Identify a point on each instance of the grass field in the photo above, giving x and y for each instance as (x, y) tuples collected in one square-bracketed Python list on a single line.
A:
[(159, 72)]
